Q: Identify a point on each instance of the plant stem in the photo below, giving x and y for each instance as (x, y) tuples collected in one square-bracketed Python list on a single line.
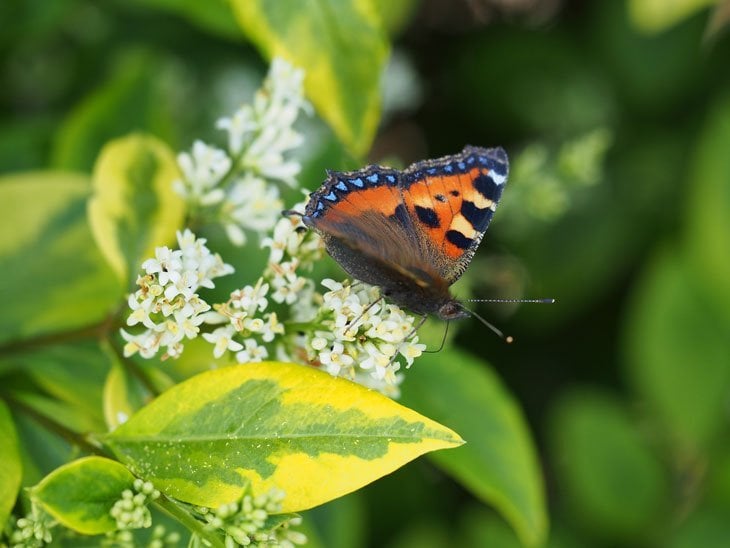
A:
[(193, 525)]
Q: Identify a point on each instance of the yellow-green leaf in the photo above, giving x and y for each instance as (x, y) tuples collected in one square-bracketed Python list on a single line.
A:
[(707, 240), (11, 471), (134, 208), (81, 494), (342, 48), (657, 15), (54, 278), (274, 425)]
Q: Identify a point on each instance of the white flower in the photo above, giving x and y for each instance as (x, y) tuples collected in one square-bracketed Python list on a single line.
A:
[(202, 171), (223, 340), (251, 204), (238, 127), (253, 352), (272, 328), (411, 350), (335, 359), (166, 264), (166, 303), (251, 299)]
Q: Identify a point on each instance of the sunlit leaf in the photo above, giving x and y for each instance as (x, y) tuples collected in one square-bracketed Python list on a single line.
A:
[(341, 47), (81, 494), (11, 471), (498, 463), (273, 425), (54, 278), (134, 208), (657, 15), (708, 229)]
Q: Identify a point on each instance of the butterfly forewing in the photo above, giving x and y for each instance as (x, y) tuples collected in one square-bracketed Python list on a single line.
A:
[(452, 200)]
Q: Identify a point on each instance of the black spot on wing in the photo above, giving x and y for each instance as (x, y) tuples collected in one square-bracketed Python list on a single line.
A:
[(427, 216), (458, 239), (454, 193), (478, 218), (400, 215), (440, 197), (486, 186)]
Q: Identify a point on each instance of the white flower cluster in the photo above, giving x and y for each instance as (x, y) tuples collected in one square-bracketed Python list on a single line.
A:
[(167, 303), (243, 323), (236, 183), (359, 336), (249, 328)]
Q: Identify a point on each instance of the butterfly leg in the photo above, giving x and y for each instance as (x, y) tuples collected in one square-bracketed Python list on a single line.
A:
[(353, 323)]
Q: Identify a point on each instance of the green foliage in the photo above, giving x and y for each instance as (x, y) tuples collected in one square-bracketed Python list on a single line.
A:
[(46, 234), (614, 484), (343, 47), (616, 117), (11, 471)]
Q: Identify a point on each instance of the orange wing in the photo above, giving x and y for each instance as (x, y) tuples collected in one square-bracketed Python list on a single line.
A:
[(452, 200), (364, 210), (424, 223)]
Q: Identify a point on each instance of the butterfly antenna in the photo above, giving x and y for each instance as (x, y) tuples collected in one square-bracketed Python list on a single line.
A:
[(539, 301), (508, 338), (443, 340), (291, 212)]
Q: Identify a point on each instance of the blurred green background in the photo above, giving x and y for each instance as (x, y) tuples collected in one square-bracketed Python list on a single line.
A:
[(616, 116)]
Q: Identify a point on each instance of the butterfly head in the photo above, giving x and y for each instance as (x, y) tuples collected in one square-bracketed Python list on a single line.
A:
[(452, 310)]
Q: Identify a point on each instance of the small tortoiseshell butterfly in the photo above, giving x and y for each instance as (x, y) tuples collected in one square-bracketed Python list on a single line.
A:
[(411, 232)]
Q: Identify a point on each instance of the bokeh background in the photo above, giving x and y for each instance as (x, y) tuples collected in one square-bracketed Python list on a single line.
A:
[(616, 116)]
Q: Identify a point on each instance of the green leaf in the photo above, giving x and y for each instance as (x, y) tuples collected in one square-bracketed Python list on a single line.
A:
[(81, 494), (708, 229), (614, 484), (271, 425), (54, 278), (73, 374), (481, 528), (498, 463), (677, 352), (658, 15), (342, 48), (706, 528), (11, 471), (134, 208)]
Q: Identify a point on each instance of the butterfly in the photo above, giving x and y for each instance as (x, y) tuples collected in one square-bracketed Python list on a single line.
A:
[(413, 232)]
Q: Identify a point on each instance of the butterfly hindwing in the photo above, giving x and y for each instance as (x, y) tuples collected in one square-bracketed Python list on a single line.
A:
[(452, 200)]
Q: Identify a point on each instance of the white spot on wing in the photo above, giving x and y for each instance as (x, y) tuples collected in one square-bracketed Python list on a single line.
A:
[(497, 178)]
